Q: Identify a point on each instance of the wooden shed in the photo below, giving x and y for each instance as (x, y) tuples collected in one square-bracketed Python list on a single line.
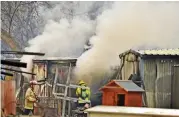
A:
[(122, 93)]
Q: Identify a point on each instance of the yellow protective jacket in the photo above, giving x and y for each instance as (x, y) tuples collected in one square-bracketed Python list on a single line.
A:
[(29, 99), (83, 95)]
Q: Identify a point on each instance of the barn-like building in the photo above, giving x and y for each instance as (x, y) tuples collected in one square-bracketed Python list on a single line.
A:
[(159, 72)]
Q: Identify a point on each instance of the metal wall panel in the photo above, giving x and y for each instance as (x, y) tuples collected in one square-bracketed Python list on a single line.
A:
[(163, 83), (157, 81), (149, 81), (156, 72), (141, 69), (175, 87)]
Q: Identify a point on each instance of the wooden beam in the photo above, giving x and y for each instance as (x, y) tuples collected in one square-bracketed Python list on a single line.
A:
[(19, 52), (7, 74), (17, 71), (13, 63)]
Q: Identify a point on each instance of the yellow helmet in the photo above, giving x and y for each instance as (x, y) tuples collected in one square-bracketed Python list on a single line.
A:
[(81, 82)]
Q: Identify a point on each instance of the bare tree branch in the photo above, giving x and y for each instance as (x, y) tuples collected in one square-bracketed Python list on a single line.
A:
[(13, 16)]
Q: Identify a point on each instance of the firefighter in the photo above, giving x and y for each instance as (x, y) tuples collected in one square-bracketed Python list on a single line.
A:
[(30, 99), (83, 95)]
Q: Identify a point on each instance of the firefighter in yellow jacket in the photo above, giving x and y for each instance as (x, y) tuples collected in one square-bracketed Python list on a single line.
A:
[(30, 98), (83, 94)]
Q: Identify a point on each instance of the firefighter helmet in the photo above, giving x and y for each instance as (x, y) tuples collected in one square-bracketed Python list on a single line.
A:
[(81, 82)]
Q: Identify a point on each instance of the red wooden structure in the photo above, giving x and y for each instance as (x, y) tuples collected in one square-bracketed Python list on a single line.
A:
[(122, 93), (8, 99)]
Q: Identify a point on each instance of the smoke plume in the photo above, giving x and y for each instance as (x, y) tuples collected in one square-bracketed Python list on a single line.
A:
[(129, 25), (60, 39), (126, 25)]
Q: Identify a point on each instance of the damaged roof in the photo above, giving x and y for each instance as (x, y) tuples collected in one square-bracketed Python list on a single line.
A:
[(129, 51)]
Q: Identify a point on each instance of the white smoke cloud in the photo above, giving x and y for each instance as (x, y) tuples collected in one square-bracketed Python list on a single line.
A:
[(60, 39), (128, 25), (65, 9)]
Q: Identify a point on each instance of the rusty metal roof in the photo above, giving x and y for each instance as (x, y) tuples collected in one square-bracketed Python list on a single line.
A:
[(129, 85), (171, 52)]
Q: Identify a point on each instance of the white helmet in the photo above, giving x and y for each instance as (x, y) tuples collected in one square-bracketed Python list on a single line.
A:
[(33, 82)]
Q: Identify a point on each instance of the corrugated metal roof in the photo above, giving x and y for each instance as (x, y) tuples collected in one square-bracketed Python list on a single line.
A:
[(172, 52), (129, 85)]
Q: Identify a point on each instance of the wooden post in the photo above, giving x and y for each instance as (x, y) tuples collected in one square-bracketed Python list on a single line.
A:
[(69, 104), (66, 91)]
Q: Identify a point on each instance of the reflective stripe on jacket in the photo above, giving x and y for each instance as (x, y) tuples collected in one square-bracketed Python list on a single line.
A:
[(83, 95), (29, 99)]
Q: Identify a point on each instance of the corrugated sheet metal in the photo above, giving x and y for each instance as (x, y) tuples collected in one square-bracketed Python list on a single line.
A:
[(175, 87), (156, 74), (129, 86), (157, 81), (160, 52), (163, 83), (149, 81)]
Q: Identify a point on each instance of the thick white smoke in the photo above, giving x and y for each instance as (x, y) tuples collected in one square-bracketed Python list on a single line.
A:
[(60, 39), (128, 25)]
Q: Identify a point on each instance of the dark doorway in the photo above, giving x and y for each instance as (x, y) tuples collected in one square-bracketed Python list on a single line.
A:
[(120, 100)]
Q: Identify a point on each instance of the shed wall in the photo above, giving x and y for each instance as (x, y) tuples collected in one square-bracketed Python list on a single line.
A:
[(134, 99), (156, 73), (8, 97), (175, 87), (128, 69), (131, 65), (47, 69), (163, 83), (149, 81), (110, 96), (2, 93), (157, 81)]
